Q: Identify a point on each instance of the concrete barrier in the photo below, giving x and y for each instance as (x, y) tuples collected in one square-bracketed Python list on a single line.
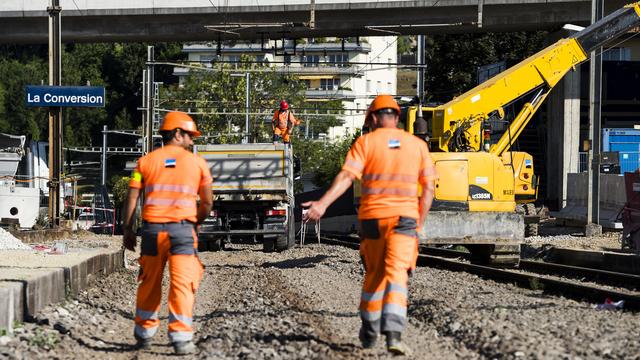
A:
[(30, 281), (612, 199)]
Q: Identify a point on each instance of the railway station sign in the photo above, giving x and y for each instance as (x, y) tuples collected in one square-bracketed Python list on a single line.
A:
[(64, 96)]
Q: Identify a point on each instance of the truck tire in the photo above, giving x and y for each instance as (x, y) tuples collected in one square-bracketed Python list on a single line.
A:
[(268, 244), (215, 244), (282, 242)]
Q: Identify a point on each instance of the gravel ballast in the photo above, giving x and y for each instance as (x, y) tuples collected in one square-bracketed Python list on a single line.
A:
[(302, 304)]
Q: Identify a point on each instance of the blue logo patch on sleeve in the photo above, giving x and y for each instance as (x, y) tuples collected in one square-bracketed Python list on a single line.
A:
[(394, 144), (170, 163)]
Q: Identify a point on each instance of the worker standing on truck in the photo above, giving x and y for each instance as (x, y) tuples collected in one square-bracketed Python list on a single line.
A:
[(172, 178), (283, 122), (392, 164)]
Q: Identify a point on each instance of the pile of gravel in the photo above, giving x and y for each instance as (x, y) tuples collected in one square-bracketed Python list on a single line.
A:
[(10, 242)]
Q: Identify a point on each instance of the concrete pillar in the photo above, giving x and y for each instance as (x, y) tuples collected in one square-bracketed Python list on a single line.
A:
[(563, 136)]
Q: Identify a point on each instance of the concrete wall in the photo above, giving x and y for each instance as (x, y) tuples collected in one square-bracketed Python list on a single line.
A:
[(612, 199), (563, 136)]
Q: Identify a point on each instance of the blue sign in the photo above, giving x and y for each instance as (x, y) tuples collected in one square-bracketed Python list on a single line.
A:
[(72, 96)]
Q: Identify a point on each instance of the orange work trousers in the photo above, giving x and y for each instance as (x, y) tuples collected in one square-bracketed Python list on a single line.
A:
[(178, 244), (389, 250), (284, 133)]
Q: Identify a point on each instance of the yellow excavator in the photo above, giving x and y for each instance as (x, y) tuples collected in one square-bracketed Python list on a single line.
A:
[(480, 179)]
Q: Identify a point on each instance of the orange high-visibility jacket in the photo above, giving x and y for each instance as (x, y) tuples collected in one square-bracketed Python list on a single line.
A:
[(171, 177), (282, 119), (391, 164)]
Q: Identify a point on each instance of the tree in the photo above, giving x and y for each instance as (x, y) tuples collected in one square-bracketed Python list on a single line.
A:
[(323, 159), (216, 97), (452, 60)]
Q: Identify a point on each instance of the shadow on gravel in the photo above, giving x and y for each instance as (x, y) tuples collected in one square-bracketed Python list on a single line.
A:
[(285, 339), (305, 262), (113, 347)]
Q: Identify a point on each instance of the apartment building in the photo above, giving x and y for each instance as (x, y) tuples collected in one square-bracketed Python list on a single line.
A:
[(353, 72)]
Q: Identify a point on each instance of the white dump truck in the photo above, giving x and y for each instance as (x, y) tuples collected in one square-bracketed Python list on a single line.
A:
[(253, 196)]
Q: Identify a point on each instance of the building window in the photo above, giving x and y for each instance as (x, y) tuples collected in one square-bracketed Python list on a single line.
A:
[(311, 60), (338, 60), (307, 83), (234, 58), (329, 84), (379, 87), (617, 54), (389, 88), (369, 86), (287, 59)]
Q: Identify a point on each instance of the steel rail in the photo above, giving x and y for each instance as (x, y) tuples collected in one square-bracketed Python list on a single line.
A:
[(578, 291)]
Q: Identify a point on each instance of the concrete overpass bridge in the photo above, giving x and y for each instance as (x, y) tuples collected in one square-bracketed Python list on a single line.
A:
[(25, 21)]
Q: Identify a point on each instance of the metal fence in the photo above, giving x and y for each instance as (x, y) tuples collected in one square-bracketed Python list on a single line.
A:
[(629, 161)]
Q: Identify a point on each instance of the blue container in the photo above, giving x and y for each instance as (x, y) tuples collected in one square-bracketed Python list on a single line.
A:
[(627, 143)]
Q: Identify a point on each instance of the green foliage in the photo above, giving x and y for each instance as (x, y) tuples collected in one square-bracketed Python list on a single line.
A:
[(453, 59), (214, 94), (117, 67), (323, 159), (119, 189), (44, 339), (405, 45)]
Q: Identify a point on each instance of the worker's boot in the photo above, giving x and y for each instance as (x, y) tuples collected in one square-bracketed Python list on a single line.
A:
[(395, 344), (367, 339), (184, 347), (142, 344)]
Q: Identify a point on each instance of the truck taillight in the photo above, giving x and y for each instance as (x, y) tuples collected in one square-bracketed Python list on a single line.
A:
[(213, 213), (276, 212), (525, 187), (526, 176)]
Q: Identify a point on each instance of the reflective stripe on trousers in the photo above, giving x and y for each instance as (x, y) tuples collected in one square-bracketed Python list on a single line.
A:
[(388, 253), (177, 244)]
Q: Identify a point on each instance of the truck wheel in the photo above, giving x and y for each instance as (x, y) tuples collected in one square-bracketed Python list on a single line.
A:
[(215, 244), (203, 245), (282, 242), (269, 244)]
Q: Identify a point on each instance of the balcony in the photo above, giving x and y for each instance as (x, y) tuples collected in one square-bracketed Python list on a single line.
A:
[(317, 69), (341, 94)]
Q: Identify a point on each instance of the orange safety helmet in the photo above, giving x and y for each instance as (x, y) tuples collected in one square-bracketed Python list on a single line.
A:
[(284, 105), (179, 120), (379, 103)]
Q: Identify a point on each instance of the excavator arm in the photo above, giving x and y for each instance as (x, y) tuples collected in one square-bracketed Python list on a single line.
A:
[(459, 124)]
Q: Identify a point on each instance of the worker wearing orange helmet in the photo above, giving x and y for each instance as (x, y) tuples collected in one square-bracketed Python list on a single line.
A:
[(393, 165), (172, 178), (283, 122)]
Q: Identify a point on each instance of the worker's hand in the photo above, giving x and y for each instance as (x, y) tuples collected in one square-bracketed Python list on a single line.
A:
[(129, 239), (315, 210)]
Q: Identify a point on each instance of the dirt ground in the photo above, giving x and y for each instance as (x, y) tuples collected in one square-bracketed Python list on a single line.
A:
[(302, 304)]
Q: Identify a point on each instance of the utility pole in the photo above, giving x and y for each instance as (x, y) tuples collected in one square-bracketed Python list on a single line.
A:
[(247, 107), (595, 93), (55, 114), (420, 125), (104, 155), (150, 96)]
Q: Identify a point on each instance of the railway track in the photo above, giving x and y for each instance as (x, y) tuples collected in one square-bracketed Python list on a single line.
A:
[(579, 283)]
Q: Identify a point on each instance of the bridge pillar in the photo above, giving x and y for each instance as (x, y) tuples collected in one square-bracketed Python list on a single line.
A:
[(563, 137)]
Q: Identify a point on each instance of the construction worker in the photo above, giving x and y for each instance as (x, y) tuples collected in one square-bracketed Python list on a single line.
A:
[(392, 164), (172, 178), (283, 122)]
